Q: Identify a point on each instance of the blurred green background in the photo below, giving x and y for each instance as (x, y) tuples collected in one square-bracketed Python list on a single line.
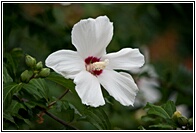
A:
[(164, 30)]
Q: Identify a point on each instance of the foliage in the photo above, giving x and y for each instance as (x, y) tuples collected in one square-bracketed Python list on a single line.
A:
[(37, 98), (165, 117), (29, 99)]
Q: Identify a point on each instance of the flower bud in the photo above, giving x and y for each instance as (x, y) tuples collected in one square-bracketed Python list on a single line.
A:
[(44, 72), (39, 66), (182, 121), (190, 121), (30, 61), (26, 76), (176, 115)]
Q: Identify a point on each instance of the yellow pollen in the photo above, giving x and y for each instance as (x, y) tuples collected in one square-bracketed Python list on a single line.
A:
[(100, 65)]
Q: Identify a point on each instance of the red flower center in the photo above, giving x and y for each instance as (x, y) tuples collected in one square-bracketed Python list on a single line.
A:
[(90, 67)]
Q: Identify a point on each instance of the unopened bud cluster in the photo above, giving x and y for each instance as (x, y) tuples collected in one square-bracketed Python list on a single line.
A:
[(181, 120), (36, 69)]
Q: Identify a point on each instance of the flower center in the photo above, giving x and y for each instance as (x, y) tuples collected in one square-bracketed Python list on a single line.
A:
[(94, 65)]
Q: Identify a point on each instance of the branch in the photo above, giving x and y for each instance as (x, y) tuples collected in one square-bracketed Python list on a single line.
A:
[(52, 103), (53, 116), (44, 111), (59, 120)]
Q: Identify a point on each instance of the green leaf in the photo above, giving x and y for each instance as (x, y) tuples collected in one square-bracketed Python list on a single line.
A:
[(14, 108), (157, 110), (98, 118), (11, 63), (13, 111), (76, 111), (31, 90), (38, 88), (59, 106), (28, 122), (30, 100), (161, 126), (141, 128), (147, 118), (105, 118), (94, 120), (8, 91), (6, 77), (69, 115), (31, 104), (68, 111), (171, 122), (160, 117), (8, 116), (169, 107), (68, 84), (13, 60)]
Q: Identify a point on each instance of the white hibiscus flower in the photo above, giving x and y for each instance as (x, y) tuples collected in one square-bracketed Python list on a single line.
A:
[(91, 67)]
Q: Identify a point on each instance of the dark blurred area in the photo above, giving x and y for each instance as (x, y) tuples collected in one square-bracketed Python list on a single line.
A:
[(165, 30)]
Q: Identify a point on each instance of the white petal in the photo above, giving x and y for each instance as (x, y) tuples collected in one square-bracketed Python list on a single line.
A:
[(121, 86), (65, 62), (91, 36), (88, 89), (125, 59)]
